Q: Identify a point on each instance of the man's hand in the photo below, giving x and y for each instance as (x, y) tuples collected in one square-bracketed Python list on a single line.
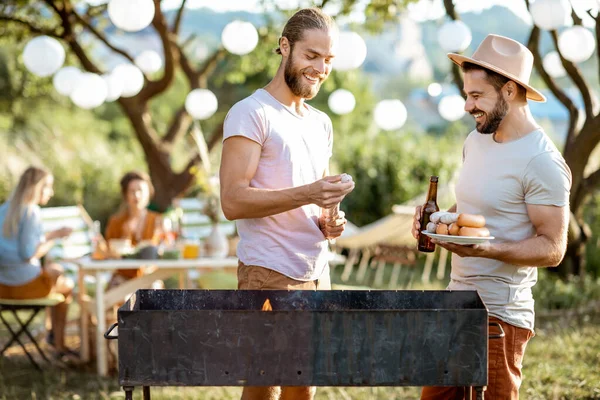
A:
[(329, 191), (416, 228), (332, 228)]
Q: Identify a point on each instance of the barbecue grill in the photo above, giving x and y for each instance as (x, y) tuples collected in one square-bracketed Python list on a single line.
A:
[(310, 338)]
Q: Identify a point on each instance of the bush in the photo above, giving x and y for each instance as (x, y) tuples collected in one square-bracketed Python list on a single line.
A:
[(551, 293)]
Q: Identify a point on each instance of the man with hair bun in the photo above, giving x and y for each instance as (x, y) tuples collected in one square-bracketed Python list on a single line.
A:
[(275, 178)]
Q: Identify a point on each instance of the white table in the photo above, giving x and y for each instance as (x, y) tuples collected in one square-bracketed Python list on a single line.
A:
[(155, 270)]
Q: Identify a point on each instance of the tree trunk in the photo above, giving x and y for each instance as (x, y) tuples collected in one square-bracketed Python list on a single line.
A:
[(167, 183)]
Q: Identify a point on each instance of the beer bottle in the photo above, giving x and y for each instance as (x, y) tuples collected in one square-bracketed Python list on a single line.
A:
[(430, 206)]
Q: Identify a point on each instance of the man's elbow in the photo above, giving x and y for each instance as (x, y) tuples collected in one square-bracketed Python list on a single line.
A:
[(229, 208), (555, 257)]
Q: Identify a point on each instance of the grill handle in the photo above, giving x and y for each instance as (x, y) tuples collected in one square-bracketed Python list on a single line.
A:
[(495, 336), (108, 336)]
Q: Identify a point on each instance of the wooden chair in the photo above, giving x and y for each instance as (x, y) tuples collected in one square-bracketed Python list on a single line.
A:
[(33, 306)]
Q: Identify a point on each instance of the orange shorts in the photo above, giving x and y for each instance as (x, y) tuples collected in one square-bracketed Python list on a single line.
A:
[(37, 288), (505, 360), (254, 277)]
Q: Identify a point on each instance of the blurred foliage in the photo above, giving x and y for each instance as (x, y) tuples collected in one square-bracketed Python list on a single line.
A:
[(551, 293)]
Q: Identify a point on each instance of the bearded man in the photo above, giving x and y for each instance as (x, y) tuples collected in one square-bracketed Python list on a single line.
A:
[(515, 177), (274, 174)]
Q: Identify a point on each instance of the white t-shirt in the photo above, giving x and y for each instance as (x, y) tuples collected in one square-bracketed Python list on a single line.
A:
[(295, 152), (498, 181)]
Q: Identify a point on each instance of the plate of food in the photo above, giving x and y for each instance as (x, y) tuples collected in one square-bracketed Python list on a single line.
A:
[(457, 228), (464, 240)]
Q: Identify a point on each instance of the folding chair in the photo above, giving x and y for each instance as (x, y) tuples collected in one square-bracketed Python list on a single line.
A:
[(34, 306)]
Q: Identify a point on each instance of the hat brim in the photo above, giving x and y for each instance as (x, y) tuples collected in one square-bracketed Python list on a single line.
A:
[(532, 94)]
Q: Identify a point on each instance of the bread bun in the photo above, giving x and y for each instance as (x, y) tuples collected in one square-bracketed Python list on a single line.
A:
[(473, 232), (453, 229), (449, 218), (471, 220), (442, 229)]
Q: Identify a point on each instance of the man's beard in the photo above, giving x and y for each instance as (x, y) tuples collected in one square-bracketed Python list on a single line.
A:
[(493, 118), (293, 78)]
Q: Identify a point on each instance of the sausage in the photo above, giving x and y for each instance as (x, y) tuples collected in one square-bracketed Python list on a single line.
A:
[(471, 220), (449, 218), (442, 229), (453, 229), (473, 232)]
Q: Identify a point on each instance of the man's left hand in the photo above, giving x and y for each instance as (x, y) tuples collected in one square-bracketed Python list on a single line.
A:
[(332, 228), (472, 250)]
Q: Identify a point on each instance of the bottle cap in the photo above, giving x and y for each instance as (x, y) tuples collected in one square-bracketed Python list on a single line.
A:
[(433, 178)]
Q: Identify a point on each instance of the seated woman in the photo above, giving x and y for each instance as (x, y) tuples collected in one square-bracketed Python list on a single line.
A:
[(133, 221), (23, 244)]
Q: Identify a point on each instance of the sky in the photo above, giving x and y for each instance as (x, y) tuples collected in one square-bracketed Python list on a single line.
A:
[(421, 11)]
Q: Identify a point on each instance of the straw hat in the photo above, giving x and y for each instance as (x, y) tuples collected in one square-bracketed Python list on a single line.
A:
[(506, 57)]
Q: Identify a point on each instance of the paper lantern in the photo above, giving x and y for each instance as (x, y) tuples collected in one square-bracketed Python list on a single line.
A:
[(43, 56), (576, 44), (114, 85), (434, 89), (201, 103), (90, 92), (149, 62), (454, 36), (351, 51), (452, 108), (66, 80), (131, 15), (132, 78), (550, 14), (553, 65), (341, 101), (390, 115), (239, 37)]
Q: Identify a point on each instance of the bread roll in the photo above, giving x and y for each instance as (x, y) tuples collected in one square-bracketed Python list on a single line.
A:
[(431, 227), (453, 229), (473, 232), (435, 217), (449, 218), (442, 229), (471, 220)]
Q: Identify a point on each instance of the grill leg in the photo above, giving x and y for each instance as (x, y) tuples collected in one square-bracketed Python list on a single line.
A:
[(479, 391), (128, 392), (146, 392)]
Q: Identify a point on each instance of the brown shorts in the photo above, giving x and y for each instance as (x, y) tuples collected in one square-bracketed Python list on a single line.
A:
[(505, 360), (37, 288), (254, 277)]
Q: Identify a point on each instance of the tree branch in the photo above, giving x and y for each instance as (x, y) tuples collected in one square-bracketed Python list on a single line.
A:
[(533, 45), (456, 73), (215, 136), (324, 3), (102, 37), (589, 100), (154, 88), (178, 18), (30, 25), (180, 124), (210, 65), (576, 19)]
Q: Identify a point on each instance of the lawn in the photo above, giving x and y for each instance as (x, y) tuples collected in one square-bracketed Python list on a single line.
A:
[(562, 362)]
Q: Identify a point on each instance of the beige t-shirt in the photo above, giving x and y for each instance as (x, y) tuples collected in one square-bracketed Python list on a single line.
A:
[(498, 181), (295, 152)]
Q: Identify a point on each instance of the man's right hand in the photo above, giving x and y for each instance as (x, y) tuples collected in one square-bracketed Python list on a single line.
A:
[(416, 222), (329, 191)]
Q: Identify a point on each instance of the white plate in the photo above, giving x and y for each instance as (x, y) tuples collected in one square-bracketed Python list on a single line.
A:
[(458, 239)]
